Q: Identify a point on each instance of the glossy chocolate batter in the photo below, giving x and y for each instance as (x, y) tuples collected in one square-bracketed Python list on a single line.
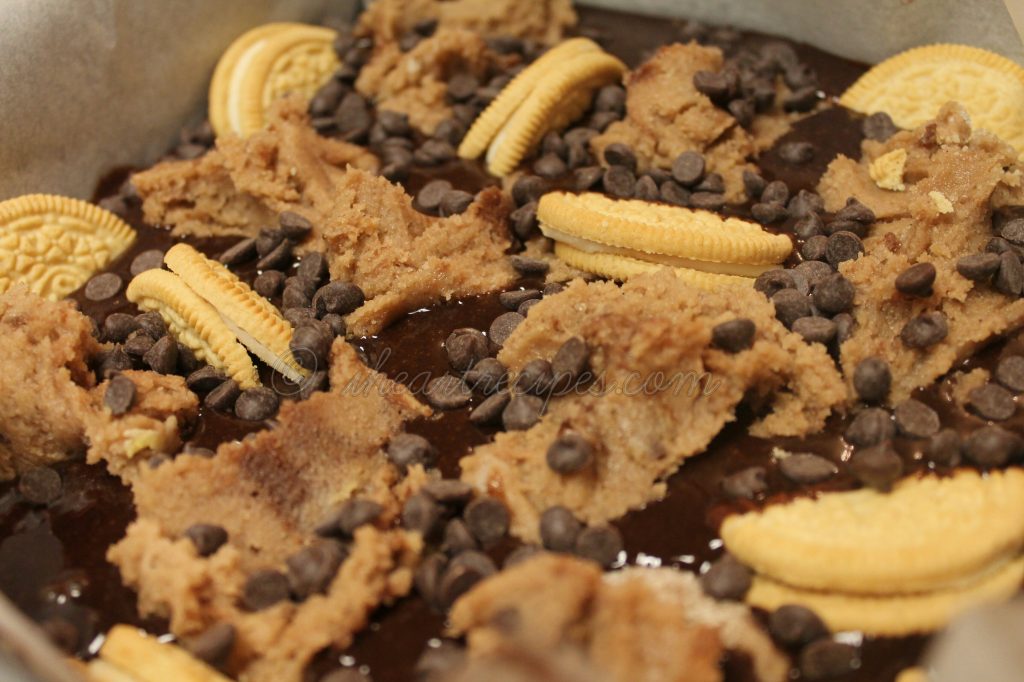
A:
[(52, 560)]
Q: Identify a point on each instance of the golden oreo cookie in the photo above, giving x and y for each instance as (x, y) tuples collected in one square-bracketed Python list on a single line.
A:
[(130, 654), (912, 85), (194, 322), (54, 244), (624, 267), (252, 318), (264, 64), (930, 533), (660, 235), (894, 615)]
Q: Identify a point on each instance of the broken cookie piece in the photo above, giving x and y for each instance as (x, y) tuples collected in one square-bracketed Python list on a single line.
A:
[(660, 393), (922, 337)]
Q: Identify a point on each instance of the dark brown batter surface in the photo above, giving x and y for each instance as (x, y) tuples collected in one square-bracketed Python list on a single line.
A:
[(52, 561)]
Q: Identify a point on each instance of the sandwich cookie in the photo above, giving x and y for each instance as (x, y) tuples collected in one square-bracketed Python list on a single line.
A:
[(54, 244), (622, 238)]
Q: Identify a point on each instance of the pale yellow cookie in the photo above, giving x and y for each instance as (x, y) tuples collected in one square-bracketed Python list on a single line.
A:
[(912, 85), (253, 319), (927, 534), (897, 615), (264, 64), (662, 234), (145, 659), (624, 267), (194, 322), (887, 170), (487, 125), (561, 96), (54, 244)]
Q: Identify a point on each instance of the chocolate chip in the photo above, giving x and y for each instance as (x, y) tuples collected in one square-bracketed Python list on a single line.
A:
[(707, 201), (138, 344), (465, 347), (394, 123), (207, 538), (855, 211), (103, 286), (552, 288), (529, 266), (242, 252), (490, 410), (151, 259), (570, 360), (535, 377), (992, 446), (263, 589), (945, 448), (294, 226), (340, 298), (734, 336), (727, 580), (716, 86), (879, 127), (611, 98), (586, 178), (772, 282), (992, 401), (488, 520), (422, 514), (117, 327), (674, 193), (768, 213), (295, 297), (916, 280), (457, 538), (462, 86), (312, 569), (455, 202), (257, 404), (843, 246), (114, 361), (790, 306), (162, 357), (486, 376), (268, 283), (815, 329), (527, 189), (41, 485), (502, 327), (357, 512), (753, 184), (570, 453), (795, 626), (647, 189), (807, 468), (743, 110), (513, 299), (600, 120), (844, 327), (559, 529), (619, 182), (801, 99), (1009, 278), (870, 426), (914, 419), (1010, 373), (554, 143), (600, 544), (407, 449), (979, 266), (524, 220), (278, 259), (806, 204), (815, 247), (428, 199), (826, 659), (213, 645), (796, 153), (447, 392), (688, 168), (522, 412), (204, 379), (1013, 231), (449, 491), (872, 380), (925, 330), (745, 484), (458, 579), (815, 272), (223, 397), (434, 152), (618, 154), (877, 466), (550, 166), (120, 395), (775, 191)]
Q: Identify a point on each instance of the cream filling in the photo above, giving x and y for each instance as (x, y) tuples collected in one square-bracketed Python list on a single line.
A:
[(235, 84), (587, 246), (260, 350)]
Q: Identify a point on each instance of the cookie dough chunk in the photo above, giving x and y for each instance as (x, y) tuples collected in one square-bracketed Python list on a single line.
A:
[(974, 172), (163, 405), (653, 620), (241, 186), (44, 378), (663, 392), (415, 82), (666, 116), (269, 493), (542, 20), (403, 259)]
